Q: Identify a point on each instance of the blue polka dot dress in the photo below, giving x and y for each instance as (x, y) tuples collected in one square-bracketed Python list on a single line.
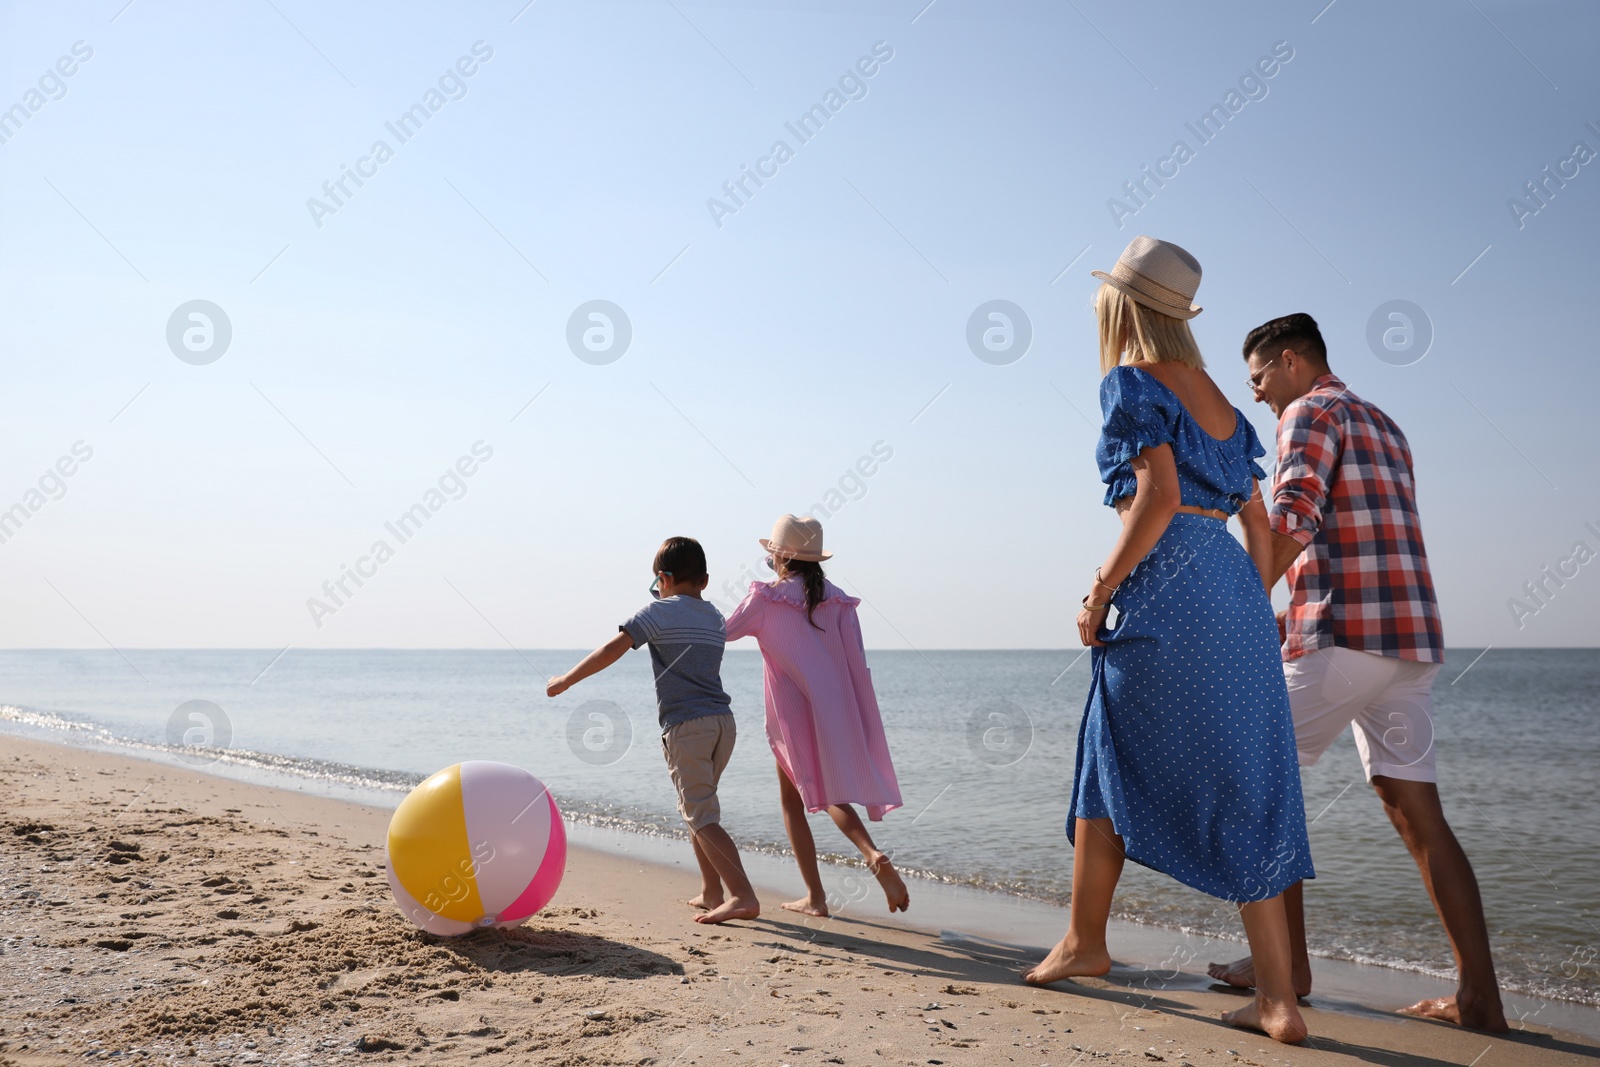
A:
[(1187, 743)]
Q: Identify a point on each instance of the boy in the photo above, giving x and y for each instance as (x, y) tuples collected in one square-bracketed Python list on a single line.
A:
[(686, 639)]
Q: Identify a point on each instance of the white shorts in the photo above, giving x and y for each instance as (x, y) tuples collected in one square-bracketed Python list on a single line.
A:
[(1386, 700)]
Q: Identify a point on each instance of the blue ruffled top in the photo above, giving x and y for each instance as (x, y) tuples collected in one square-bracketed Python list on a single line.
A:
[(1139, 412)]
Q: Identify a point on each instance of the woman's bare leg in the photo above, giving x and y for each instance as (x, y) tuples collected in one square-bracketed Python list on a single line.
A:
[(1242, 973), (1097, 861), (815, 902), (850, 824), (1274, 1010)]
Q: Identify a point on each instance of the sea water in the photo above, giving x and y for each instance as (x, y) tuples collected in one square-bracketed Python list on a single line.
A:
[(983, 743)]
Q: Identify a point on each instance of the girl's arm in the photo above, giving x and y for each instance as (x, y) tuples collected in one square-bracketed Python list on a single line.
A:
[(593, 663), (1155, 500), (745, 620), (855, 654)]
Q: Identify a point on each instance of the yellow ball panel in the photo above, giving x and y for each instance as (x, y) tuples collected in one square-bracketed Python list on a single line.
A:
[(429, 851)]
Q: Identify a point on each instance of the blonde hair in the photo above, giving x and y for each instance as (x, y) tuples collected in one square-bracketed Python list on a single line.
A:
[(1129, 328)]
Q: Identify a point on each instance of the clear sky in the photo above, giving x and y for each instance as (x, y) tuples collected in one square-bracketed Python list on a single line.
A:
[(785, 336)]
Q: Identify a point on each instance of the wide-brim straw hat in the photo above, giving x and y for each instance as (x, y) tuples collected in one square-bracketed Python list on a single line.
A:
[(794, 537), (1157, 274)]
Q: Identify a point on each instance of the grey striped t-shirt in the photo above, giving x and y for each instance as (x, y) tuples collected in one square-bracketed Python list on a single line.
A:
[(686, 639)]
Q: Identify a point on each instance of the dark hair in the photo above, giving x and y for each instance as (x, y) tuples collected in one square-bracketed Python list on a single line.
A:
[(681, 557), (1298, 332), (810, 573)]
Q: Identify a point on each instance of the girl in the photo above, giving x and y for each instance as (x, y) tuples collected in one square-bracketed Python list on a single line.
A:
[(822, 716)]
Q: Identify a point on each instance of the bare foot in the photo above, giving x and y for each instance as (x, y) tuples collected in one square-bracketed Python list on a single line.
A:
[(705, 902), (807, 906), (1241, 974), (893, 888), (1281, 1022), (737, 908), (1064, 962), (1488, 1017)]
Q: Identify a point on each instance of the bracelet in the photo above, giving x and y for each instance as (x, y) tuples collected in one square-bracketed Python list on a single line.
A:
[(1102, 583), (1095, 607)]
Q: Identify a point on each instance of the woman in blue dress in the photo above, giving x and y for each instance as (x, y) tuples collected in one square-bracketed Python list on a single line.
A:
[(1186, 753)]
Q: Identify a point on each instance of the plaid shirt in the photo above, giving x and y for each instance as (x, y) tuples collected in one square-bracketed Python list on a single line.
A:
[(1343, 489)]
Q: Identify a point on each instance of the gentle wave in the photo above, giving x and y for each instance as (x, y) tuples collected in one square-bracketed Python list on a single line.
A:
[(201, 756)]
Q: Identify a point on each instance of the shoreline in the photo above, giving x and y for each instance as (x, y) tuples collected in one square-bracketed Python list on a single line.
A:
[(1163, 956), (989, 913), (1399, 981), (310, 955)]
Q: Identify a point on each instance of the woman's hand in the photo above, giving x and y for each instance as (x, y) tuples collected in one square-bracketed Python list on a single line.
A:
[(1156, 498), (1089, 622)]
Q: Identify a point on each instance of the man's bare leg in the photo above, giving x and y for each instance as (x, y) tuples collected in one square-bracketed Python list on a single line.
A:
[(850, 824), (710, 881), (1415, 810), (1242, 972), (723, 855), (815, 902), (1097, 859), (1273, 1010)]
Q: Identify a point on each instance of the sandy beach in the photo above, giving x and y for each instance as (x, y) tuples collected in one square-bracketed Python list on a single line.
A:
[(154, 913)]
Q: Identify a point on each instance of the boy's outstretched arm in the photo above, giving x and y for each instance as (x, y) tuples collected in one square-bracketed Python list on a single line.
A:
[(593, 663)]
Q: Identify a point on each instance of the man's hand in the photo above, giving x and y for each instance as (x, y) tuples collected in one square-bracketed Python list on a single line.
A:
[(559, 684), (1283, 627)]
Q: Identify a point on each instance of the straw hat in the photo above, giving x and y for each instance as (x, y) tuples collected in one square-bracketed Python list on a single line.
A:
[(796, 538), (1157, 274)]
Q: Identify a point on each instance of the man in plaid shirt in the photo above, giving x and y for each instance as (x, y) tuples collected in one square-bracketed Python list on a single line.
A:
[(1344, 473), (1362, 640)]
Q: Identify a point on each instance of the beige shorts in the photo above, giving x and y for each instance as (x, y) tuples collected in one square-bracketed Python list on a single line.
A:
[(1387, 702), (696, 752)]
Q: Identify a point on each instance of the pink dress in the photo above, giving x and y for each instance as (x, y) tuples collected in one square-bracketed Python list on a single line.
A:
[(822, 715)]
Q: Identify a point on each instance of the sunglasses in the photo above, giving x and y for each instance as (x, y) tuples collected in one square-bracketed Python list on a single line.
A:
[(655, 586), (1255, 380)]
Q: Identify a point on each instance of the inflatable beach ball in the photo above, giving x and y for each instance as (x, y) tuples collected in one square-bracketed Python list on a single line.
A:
[(478, 844)]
